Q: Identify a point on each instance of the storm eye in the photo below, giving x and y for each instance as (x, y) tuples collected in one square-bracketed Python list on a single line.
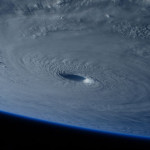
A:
[(73, 77)]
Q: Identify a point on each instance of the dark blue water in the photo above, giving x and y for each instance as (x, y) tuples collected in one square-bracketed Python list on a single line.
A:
[(73, 77)]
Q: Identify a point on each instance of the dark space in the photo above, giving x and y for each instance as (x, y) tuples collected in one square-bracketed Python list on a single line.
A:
[(18, 133)]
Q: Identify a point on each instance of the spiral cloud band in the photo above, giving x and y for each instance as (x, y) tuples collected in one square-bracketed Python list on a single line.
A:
[(81, 62)]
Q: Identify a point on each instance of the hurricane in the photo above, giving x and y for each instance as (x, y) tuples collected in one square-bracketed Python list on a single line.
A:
[(83, 63)]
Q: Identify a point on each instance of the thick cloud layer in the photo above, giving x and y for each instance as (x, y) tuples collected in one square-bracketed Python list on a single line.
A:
[(78, 62)]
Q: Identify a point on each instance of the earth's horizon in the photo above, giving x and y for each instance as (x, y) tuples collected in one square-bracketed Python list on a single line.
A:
[(84, 63)]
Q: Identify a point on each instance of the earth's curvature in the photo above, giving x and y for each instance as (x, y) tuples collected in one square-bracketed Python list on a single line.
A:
[(84, 63)]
